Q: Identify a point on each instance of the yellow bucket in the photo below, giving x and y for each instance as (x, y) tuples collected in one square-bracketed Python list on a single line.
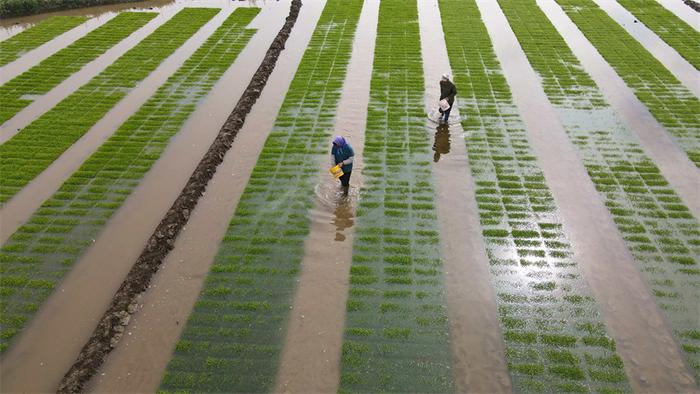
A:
[(336, 171)]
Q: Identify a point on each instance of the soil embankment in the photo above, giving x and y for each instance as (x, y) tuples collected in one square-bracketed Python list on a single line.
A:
[(111, 327)]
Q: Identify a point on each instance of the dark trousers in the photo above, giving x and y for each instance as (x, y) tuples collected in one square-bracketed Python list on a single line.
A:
[(446, 114), (345, 179)]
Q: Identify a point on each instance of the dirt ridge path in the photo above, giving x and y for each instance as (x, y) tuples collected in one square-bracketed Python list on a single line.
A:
[(69, 85), (653, 360), (310, 359), (479, 363), (664, 53), (16, 211), (138, 362), (673, 162), (110, 328)]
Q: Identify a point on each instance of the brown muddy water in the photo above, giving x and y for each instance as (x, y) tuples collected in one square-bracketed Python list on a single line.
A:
[(679, 67), (48, 346), (138, 363), (310, 360), (477, 346), (19, 209), (673, 162), (653, 361)]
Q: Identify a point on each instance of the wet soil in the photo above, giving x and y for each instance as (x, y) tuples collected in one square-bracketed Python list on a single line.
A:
[(673, 162), (310, 360), (110, 329), (692, 4), (653, 361), (138, 362), (679, 67), (19, 209), (478, 350)]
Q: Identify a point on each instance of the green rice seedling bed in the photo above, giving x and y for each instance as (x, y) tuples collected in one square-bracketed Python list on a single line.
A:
[(670, 28), (660, 231), (39, 254), (555, 337), (34, 148), (396, 334), (46, 75), (673, 105), (37, 35), (234, 335)]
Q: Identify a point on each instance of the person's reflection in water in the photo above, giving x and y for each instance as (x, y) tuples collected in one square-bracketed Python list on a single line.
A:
[(342, 218), (442, 142)]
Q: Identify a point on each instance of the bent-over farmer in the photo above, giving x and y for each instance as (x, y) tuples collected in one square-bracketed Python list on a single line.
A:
[(342, 153), (448, 91)]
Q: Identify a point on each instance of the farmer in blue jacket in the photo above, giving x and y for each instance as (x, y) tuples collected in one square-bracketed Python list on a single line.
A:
[(342, 153)]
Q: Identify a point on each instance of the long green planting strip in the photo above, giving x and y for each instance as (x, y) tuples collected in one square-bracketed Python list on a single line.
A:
[(34, 148), (678, 34), (233, 338), (660, 231), (46, 75), (673, 105), (396, 335), (38, 255), (555, 337), (12, 48)]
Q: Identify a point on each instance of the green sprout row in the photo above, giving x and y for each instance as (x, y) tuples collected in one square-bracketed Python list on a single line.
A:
[(670, 28), (35, 147), (46, 75), (555, 337), (671, 103), (234, 336), (41, 252), (396, 335), (37, 35), (660, 231)]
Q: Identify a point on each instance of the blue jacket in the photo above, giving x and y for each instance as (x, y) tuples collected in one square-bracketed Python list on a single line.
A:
[(341, 154)]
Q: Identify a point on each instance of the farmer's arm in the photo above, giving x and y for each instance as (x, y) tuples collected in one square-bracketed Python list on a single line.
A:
[(351, 157)]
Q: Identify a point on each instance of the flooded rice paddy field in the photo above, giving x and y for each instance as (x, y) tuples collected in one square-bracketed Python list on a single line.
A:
[(545, 240)]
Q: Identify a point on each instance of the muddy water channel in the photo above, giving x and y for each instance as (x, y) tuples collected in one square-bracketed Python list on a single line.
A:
[(49, 344)]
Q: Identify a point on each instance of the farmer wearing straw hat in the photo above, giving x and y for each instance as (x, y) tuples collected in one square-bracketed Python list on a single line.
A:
[(448, 91), (342, 153)]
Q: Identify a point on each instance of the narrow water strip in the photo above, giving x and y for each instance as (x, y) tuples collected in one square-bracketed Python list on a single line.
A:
[(310, 360), (673, 162), (652, 358), (16, 211), (140, 360), (687, 14), (679, 67), (38, 54), (37, 36), (479, 363)]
